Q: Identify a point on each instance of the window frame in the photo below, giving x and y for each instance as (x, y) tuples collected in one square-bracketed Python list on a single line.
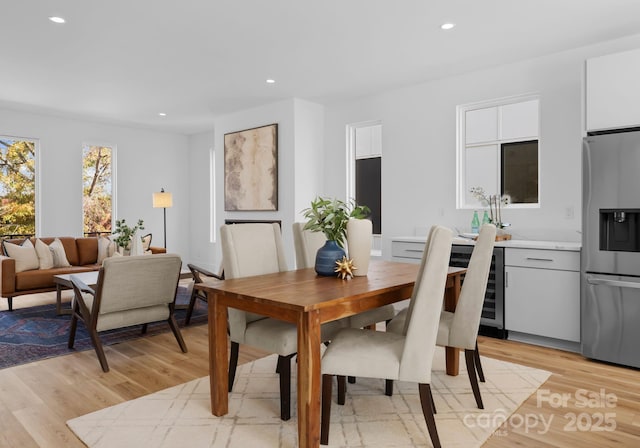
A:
[(461, 149)]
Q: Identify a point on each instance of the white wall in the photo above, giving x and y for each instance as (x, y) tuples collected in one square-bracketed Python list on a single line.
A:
[(300, 143), (419, 145), (146, 162)]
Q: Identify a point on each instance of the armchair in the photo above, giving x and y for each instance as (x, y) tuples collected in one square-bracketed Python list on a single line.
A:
[(130, 291)]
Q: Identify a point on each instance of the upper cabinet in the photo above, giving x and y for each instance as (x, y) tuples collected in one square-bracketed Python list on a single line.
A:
[(612, 93)]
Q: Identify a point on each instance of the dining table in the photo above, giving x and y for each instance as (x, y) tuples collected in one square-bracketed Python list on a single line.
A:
[(308, 300)]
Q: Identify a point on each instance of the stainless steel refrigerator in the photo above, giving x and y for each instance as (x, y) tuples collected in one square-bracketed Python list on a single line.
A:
[(610, 277)]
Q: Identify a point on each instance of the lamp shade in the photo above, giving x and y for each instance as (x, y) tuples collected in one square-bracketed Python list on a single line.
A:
[(162, 200)]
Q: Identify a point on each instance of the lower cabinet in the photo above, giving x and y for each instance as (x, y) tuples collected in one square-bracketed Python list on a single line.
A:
[(542, 293)]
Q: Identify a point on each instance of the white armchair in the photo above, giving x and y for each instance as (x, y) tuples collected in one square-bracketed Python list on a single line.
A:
[(130, 291), (405, 357)]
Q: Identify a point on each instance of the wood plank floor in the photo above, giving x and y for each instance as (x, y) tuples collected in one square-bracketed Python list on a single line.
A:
[(570, 409)]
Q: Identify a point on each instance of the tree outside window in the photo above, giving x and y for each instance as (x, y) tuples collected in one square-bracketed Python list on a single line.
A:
[(17, 186), (97, 188)]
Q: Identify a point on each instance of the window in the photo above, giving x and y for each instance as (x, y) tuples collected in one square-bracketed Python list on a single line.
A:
[(17, 186), (364, 171), (97, 188), (498, 151)]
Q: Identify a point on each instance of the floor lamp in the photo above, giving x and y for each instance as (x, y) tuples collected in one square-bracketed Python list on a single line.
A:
[(163, 200)]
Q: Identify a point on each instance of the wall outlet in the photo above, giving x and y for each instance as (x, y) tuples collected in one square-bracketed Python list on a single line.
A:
[(568, 213)]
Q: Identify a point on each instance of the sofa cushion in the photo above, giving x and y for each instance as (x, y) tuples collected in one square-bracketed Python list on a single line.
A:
[(45, 257), (87, 250), (106, 248), (24, 254), (59, 254), (39, 278)]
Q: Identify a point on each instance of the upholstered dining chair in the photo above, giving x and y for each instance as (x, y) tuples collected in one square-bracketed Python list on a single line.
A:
[(407, 356), (134, 290), (459, 329), (254, 249), (199, 275), (307, 244)]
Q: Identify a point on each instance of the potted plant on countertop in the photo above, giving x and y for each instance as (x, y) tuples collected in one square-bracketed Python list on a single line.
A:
[(330, 216)]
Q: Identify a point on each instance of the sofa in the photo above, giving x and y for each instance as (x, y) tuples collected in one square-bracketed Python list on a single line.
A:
[(81, 253)]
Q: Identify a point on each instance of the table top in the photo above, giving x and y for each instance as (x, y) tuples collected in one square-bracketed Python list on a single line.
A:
[(303, 290), (88, 278)]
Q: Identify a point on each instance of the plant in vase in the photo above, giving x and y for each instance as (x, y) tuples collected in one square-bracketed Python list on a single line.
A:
[(330, 216), (494, 202), (125, 232)]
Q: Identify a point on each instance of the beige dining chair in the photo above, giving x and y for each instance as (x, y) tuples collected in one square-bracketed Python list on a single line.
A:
[(307, 244), (133, 290), (459, 329), (254, 249), (406, 356)]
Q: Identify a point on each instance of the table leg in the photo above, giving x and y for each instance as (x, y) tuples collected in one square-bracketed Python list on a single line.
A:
[(58, 299), (452, 354), (218, 357), (309, 376)]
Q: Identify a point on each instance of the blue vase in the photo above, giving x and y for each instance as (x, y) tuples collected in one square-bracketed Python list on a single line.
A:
[(327, 256)]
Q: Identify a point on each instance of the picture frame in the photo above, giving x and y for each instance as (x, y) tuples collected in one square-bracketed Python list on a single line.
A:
[(251, 169)]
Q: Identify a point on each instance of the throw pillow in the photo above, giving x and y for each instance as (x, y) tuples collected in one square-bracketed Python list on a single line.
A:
[(59, 255), (44, 255), (106, 248), (146, 242), (24, 254)]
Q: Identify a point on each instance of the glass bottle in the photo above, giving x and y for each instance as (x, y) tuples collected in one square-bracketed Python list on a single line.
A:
[(475, 222), (485, 218)]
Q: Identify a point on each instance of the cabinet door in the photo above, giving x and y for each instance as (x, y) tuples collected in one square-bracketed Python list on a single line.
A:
[(543, 302)]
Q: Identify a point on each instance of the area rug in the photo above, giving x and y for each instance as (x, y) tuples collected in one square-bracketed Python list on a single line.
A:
[(34, 333), (181, 415)]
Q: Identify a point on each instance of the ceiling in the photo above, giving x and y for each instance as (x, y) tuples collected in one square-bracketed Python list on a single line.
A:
[(125, 61)]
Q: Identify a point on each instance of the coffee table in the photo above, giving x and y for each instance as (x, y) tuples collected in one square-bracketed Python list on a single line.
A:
[(63, 281)]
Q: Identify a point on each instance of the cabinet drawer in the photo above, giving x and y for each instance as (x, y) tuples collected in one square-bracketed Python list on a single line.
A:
[(563, 260), (407, 249)]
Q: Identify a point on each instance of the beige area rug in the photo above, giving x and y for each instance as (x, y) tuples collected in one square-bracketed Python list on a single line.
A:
[(181, 416)]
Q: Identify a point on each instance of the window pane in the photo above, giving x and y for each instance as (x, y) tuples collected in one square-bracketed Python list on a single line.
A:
[(369, 189), (520, 171), (97, 189), (17, 186)]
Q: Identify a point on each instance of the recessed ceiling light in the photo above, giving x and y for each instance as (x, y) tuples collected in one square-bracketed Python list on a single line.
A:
[(271, 81), (447, 26), (56, 19), (162, 114)]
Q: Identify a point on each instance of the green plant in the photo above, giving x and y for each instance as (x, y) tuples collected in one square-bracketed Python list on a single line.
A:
[(125, 232), (330, 216)]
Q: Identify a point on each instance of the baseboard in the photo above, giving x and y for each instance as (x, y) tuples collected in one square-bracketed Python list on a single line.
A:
[(560, 344)]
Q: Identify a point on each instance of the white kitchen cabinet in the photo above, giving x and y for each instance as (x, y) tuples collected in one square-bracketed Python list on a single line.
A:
[(612, 94), (542, 293)]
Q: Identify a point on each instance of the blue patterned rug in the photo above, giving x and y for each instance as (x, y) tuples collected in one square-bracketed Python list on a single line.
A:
[(31, 334)]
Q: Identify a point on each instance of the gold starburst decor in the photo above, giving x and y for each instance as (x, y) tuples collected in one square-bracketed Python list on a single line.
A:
[(345, 268)]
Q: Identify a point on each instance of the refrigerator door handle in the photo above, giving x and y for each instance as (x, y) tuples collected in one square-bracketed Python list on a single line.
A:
[(608, 282)]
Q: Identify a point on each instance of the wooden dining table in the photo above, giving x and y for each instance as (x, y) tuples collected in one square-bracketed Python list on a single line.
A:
[(308, 300)]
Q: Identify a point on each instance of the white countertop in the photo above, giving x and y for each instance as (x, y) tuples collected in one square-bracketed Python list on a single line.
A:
[(520, 244)]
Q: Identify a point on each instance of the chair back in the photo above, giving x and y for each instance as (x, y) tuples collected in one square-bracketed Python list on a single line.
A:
[(247, 250), (466, 319), (307, 244), (423, 315), (135, 289)]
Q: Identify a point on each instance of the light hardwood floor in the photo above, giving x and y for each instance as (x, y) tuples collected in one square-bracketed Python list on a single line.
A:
[(37, 399)]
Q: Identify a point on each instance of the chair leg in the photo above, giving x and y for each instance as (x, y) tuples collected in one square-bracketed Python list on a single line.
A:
[(97, 345), (233, 363), (351, 379), (433, 402), (192, 303), (144, 329), (426, 400), (72, 330), (388, 388), (342, 389), (176, 332), (284, 369), (327, 383), (478, 364), (471, 370)]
